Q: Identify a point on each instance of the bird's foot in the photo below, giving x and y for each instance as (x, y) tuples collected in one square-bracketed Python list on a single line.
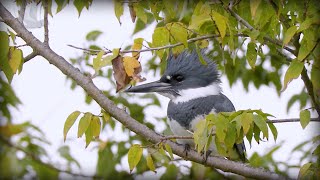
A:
[(205, 155), (186, 149)]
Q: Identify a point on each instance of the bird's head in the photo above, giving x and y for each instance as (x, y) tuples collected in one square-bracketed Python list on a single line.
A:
[(185, 78)]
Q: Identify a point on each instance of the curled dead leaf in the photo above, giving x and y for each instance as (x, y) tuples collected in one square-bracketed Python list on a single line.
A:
[(119, 73), (125, 70)]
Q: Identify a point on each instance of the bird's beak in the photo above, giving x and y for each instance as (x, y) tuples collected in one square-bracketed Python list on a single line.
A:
[(155, 86)]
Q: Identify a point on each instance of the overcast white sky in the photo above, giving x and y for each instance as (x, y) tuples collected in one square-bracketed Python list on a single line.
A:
[(48, 100)]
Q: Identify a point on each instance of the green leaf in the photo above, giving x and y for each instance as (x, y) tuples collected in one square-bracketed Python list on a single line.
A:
[(289, 34), (160, 37), (304, 170), (293, 72), (4, 50), (84, 123), (79, 4), (60, 5), (134, 156), (307, 44), (89, 135), (221, 124), (178, 33), (231, 137), (251, 54), (140, 12), (118, 9), (96, 126), (97, 61), (93, 35), (201, 14), (246, 121), (12, 36), (254, 4), (69, 123), (262, 125), (200, 56), (150, 163), (200, 135), (169, 150), (304, 118), (105, 116), (307, 23), (256, 132), (221, 23), (15, 59), (274, 130)]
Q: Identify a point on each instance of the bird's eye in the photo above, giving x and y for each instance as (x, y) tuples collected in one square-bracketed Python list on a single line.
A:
[(179, 78)]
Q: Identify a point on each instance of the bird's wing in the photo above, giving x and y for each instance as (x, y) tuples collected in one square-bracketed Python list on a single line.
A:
[(223, 104)]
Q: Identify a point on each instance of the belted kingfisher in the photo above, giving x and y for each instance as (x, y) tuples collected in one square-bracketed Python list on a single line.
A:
[(194, 91)]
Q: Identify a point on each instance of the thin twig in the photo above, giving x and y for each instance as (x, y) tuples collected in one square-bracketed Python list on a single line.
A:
[(46, 28), (176, 137), (191, 40), (38, 160), (291, 120), (22, 11), (21, 45), (30, 56)]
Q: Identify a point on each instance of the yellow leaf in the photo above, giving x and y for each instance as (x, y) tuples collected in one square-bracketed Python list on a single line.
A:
[(150, 163), (289, 34), (84, 124), (96, 126), (88, 134), (137, 45), (15, 58), (220, 22), (254, 4), (134, 156), (118, 9), (293, 72), (169, 150), (69, 122), (130, 63), (304, 118)]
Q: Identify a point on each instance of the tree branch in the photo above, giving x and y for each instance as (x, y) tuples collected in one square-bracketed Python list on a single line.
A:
[(309, 86), (46, 28), (30, 56), (191, 40), (22, 10), (119, 114), (38, 160)]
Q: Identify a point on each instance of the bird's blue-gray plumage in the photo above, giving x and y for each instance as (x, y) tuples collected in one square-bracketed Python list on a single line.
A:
[(185, 112), (194, 92)]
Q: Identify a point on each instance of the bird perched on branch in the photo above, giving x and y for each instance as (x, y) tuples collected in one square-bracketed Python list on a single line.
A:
[(194, 91)]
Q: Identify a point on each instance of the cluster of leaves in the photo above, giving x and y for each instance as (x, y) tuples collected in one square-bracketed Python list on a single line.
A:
[(11, 58), (309, 170), (30, 140), (197, 19), (230, 128)]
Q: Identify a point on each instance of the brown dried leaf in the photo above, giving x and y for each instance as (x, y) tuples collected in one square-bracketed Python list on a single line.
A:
[(119, 73)]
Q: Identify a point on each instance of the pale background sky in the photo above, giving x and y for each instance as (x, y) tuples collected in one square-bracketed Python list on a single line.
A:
[(47, 99)]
